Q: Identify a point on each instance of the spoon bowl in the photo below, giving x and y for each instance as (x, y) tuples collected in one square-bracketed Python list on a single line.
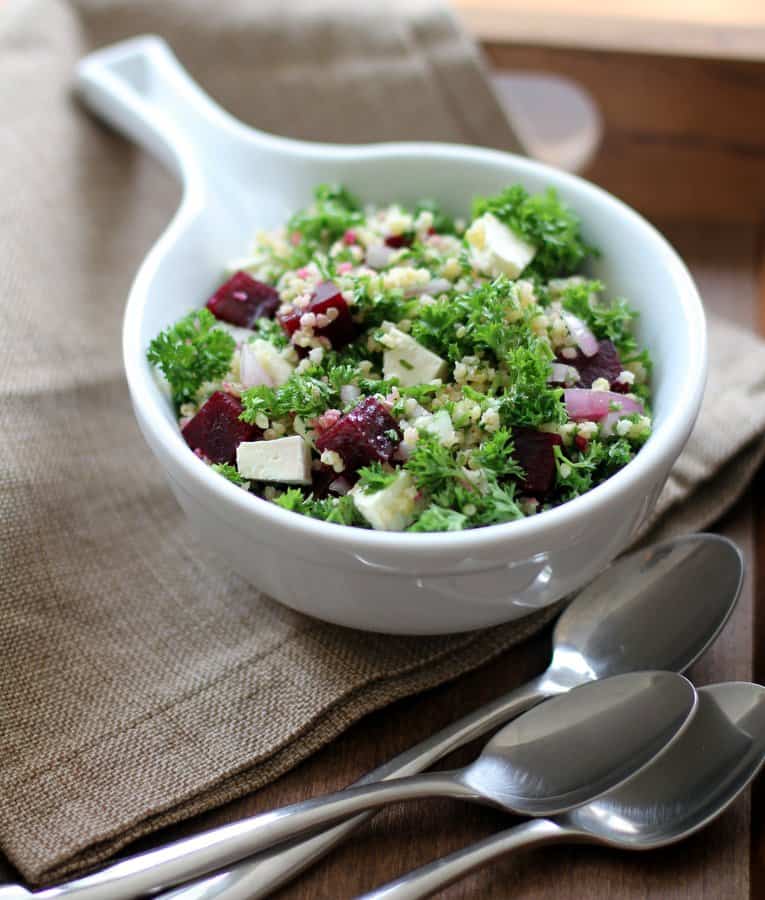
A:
[(722, 750), (238, 180), (660, 607), (565, 751), (680, 792)]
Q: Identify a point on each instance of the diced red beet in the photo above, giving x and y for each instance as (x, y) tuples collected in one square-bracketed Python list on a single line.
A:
[(581, 442), (241, 300), (366, 434), (216, 430), (534, 452), (321, 478), (340, 331), (399, 240), (604, 364)]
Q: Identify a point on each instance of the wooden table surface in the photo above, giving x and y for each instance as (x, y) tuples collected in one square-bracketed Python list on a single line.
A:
[(718, 29), (684, 142)]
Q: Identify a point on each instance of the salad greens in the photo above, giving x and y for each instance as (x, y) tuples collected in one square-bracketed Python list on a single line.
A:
[(422, 373)]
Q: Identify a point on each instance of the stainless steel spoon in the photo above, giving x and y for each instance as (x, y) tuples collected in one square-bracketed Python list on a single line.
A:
[(659, 608), (701, 775), (562, 753)]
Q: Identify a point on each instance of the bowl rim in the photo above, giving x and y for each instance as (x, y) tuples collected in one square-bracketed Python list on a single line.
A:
[(659, 451)]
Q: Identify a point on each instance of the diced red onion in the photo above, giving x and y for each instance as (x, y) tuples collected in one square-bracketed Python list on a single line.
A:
[(583, 404), (560, 373), (607, 424), (585, 339), (251, 373), (378, 255), (340, 486), (349, 393)]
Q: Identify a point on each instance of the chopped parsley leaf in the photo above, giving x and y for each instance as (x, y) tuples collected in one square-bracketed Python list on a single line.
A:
[(230, 473), (374, 478)]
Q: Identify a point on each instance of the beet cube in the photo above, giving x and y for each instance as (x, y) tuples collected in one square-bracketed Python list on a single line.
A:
[(604, 364), (242, 300), (216, 430), (534, 452), (366, 434), (327, 296), (399, 240)]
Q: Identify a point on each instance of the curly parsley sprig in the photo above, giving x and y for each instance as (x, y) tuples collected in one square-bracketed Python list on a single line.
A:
[(544, 221), (192, 352)]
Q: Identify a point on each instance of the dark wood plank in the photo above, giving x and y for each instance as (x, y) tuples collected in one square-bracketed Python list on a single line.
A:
[(757, 849), (683, 138)]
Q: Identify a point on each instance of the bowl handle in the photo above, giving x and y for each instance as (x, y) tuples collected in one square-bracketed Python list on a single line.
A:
[(140, 88)]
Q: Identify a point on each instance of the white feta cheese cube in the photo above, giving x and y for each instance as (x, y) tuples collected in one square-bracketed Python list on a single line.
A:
[(390, 509), (407, 360), (285, 460), (495, 249)]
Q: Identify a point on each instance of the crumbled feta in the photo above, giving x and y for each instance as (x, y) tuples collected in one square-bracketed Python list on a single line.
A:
[(408, 360), (391, 509), (271, 361), (438, 424), (601, 384), (285, 460), (495, 249)]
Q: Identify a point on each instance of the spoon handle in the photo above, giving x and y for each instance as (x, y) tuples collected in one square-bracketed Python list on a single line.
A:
[(436, 875), (191, 857), (257, 877)]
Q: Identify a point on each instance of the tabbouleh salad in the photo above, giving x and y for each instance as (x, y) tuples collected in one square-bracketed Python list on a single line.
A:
[(398, 369)]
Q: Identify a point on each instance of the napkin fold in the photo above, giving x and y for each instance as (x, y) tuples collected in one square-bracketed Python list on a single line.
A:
[(140, 682)]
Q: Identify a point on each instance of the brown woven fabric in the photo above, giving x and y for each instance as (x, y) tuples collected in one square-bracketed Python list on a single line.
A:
[(139, 682)]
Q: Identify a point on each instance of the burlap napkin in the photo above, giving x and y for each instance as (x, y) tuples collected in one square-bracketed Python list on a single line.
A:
[(139, 681)]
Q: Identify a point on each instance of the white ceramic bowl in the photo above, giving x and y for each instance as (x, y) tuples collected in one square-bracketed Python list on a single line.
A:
[(237, 180)]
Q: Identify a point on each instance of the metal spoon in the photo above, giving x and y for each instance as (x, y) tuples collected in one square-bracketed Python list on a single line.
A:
[(520, 770), (660, 608), (686, 788)]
